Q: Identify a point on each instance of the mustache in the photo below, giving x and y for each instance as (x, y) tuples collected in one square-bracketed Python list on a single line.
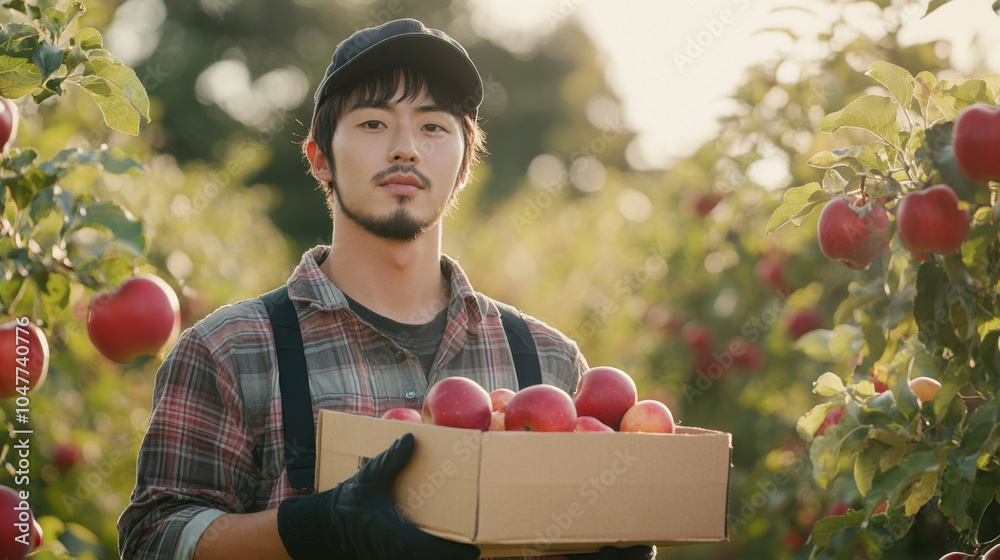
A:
[(402, 168)]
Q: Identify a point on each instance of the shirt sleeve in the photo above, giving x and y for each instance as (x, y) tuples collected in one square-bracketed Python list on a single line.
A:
[(196, 455), (560, 358)]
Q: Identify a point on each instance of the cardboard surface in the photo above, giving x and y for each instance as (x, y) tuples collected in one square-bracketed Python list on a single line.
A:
[(521, 493)]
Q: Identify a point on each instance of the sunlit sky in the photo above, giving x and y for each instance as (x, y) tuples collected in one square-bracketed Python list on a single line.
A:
[(674, 62)]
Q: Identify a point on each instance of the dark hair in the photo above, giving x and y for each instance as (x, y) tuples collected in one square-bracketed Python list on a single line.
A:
[(380, 87)]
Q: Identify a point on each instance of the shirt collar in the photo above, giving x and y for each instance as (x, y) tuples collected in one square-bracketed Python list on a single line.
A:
[(309, 284)]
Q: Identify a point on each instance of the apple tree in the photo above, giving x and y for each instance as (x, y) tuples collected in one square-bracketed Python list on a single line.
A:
[(925, 309)]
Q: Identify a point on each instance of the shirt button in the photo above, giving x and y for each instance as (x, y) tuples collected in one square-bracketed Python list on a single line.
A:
[(400, 356), (410, 394)]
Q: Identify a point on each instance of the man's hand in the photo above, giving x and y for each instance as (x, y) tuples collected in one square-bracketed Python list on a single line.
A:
[(357, 519), (614, 553)]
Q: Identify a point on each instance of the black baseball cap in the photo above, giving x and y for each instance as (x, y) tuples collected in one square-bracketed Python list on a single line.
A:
[(406, 43)]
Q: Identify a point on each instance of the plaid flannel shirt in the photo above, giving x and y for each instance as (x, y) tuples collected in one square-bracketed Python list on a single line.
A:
[(215, 444)]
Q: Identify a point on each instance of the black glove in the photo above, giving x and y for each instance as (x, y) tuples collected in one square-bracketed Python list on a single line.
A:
[(357, 519), (614, 553)]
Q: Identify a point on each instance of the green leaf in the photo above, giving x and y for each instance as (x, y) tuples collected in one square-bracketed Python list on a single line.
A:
[(996, 7), (858, 158), (951, 96), (49, 199), (88, 39), (981, 428), (931, 308), (896, 482), (113, 220), (118, 112), (923, 83), (956, 489), (865, 467), (920, 493), (797, 204), (59, 20), (19, 75), (809, 422), (828, 385), (111, 69), (992, 84), (891, 457), (896, 79), (47, 58), (827, 528), (875, 113)]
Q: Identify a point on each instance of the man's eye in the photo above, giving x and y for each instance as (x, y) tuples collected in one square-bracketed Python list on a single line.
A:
[(434, 127), (371, 124)]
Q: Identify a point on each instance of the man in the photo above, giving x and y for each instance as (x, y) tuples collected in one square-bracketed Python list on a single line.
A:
[(383, 314)]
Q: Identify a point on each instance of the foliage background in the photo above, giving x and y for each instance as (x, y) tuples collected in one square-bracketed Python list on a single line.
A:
[(556, 223)]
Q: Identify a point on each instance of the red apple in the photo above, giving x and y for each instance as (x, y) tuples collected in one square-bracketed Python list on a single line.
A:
[(605, 393), (801, 321), (976, 142), (458, 402), (497, 423), (845, 236), (66, 456), (18, 530), (136, 319), (648, 416), (925, 388), (499, 399), (956, 556), (24, 353), (930, 221), (404, 414), (8, 124), (992, 554), (541, 408), (703, 203), (832, 418), (746, 355), (697, 337), (770, 271), (591, 424)]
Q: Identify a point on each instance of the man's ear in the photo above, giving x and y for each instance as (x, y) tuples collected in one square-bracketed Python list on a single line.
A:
[(320, 166)]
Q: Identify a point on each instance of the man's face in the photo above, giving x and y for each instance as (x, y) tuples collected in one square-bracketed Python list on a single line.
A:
[(397, 166)]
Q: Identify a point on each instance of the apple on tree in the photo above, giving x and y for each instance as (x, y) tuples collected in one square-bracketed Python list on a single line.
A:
[(8, 124), (24, 350), (975, 139), (847, 236), (925, 388), (832, 418), (136, 319), (458, 402), (605, 393), (931, 221), (541, 408), (801, 321)]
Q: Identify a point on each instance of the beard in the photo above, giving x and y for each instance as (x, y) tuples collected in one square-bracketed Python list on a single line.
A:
[(401, 224)]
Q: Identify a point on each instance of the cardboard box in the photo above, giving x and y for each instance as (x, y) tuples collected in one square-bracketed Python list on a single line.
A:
[(530, 493)]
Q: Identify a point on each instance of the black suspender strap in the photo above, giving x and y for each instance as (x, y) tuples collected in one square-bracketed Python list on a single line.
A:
[(293, 379), (522, 347)]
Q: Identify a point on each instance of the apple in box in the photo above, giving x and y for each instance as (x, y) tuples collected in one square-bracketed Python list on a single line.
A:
[(541, 408), (458, 402), (605, 393)]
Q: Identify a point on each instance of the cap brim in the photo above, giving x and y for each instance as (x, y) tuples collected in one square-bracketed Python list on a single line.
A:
[(434, 56)]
